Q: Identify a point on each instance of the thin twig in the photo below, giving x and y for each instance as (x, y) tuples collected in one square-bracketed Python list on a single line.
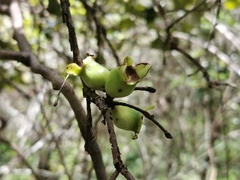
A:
[(194, 73), (100, 29), (148, 89), (56, 140), (114, 175), (194, 61), (67, 18), (19, 153), (60, 90), (215, 23), (162, 12), (206, 76), (187, 13), (168, 38), (211, 48)]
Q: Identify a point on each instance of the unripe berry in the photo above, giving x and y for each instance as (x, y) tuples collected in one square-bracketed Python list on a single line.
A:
[(93, 74), (123, 79)]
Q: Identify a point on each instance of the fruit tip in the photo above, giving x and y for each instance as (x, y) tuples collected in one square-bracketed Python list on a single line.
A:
[(168, 135), (135, 136), (55, 103)]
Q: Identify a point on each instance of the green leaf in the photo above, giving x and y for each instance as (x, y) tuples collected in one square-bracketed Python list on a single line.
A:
[(231, 4), (142, 69)]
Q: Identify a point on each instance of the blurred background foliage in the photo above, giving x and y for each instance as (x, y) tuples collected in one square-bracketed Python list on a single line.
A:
[(203, 120)]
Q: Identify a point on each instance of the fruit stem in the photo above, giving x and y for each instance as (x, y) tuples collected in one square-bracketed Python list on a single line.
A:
[(60, 90)]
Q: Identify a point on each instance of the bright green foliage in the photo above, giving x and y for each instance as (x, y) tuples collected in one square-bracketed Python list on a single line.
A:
[(232, 4), (127, 119), (6, 153), (123, 79), (92, 73)]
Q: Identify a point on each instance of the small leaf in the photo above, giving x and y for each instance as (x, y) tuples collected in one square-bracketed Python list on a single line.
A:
[(149, 107), (142, 69), (128, 61), (73, 69)]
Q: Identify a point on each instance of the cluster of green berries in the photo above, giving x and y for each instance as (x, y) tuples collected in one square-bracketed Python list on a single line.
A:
[(118, 82)]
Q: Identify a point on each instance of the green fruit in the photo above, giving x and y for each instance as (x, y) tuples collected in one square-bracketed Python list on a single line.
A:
[(123, 79), (92, 73), (127, 119), (116, 85)]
